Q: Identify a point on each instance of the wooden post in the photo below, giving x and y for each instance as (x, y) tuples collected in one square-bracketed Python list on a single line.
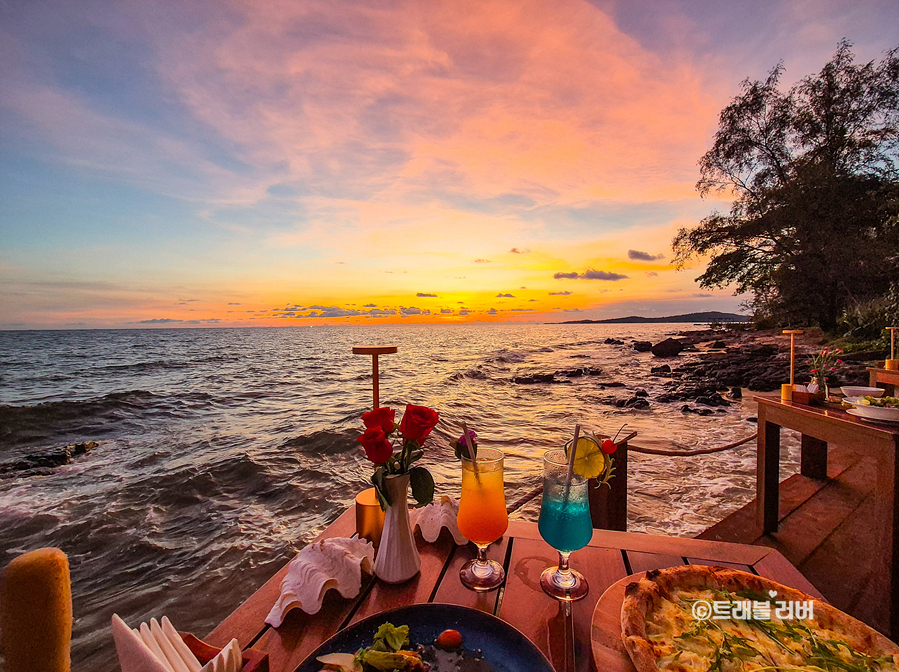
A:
[(374, 351), (892, 363), (792, 333), (608, 504)]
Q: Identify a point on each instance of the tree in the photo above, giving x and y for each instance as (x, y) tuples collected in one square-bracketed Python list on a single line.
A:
[(813, 228)]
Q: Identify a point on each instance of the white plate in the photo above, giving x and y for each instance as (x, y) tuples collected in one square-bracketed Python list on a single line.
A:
[(855, 391), (875, 413)]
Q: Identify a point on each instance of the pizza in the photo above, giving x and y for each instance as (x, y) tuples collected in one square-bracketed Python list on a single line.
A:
[(711, 619)]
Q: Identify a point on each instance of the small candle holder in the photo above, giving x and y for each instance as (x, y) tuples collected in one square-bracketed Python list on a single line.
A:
[(369, 517)]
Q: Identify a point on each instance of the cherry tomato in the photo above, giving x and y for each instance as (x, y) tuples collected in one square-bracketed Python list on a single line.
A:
[(608, 446), (449, 639)]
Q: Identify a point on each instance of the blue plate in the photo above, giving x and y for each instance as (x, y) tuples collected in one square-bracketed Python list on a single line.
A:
[(502, 645)]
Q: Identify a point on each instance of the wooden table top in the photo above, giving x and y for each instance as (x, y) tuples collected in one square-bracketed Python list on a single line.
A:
[(561, 631), (830, 413)]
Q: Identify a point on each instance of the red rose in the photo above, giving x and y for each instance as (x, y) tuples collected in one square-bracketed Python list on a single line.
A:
[(377, 447), (417, 422), (380, 417)]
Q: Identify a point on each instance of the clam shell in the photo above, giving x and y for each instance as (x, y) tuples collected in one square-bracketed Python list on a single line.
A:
[(435, 516), (332, 563)]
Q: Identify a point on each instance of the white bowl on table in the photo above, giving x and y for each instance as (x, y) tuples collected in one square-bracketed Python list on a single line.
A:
[(854, 391)]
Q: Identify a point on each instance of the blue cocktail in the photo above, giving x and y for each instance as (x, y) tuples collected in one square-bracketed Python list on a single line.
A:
[(564, 524)]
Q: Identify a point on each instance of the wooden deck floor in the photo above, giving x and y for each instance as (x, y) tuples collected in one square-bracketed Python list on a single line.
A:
[(825, 530)]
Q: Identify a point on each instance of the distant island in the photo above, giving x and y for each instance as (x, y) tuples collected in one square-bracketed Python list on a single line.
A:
[(700, 318)]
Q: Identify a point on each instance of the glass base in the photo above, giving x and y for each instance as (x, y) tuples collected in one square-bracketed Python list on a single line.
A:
[(567, 588), (482, 576)]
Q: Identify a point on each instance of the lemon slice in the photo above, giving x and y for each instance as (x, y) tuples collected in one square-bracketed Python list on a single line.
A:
[(589, 460)]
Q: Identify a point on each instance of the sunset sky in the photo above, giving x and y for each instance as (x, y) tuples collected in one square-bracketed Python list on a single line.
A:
[(300, 162)]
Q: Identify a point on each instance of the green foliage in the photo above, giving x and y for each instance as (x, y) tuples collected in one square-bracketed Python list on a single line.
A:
[(422, 484), (814, 226), (867, 321)]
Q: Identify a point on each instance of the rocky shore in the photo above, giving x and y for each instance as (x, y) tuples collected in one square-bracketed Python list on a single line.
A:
[(707, 370)]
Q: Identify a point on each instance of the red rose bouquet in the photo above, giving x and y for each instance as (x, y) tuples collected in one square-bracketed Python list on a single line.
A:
[(379, 438)]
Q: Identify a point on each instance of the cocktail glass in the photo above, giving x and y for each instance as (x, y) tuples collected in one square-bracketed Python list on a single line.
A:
[(482, 516), (565, 525)]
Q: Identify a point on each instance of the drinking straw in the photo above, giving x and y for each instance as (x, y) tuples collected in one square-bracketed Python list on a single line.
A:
[(472, 451), (577, 431)]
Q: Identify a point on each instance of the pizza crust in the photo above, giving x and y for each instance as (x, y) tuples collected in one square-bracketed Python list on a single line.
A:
[(645, 597)]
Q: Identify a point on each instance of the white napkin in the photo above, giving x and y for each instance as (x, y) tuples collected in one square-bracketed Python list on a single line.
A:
[(134, 654), (159, 648)]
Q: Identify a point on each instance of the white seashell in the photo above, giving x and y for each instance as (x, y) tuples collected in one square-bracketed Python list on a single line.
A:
[(332, 563), (435, 516)]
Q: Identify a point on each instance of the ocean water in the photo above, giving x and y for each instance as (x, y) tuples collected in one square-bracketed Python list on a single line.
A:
[(223, 451)]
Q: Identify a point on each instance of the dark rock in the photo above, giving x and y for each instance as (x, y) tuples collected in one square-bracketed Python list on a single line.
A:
[(690, 348), (638, 393), (636, 402), (534, 378), (642, 346), (735, 393), (713, 400), (697, 411), (613, 341), (760, 384), (612, 384), (670, 347), (717, 345), (43, 463), (658, 369), (577, 373)]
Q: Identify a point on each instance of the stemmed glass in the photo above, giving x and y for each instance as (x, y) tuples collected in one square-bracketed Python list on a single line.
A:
[(565, 525), (482, 516)]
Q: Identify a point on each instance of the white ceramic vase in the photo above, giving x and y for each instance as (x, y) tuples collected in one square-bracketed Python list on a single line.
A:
[(398, 559)]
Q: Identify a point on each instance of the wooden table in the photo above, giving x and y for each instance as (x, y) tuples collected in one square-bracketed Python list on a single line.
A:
[(886, 378), (818, 427), (561, 631)]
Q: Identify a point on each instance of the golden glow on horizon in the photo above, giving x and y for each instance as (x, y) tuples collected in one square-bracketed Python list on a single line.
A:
[(375, 154)]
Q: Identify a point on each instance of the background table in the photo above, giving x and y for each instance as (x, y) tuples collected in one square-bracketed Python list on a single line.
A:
[(886, 378), (820, 426), (561, 631)]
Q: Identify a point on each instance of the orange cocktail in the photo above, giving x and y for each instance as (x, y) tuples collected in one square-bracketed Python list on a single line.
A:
[(482, 516)]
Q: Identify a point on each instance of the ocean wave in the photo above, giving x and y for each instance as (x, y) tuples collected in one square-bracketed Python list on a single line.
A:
[(475, 374), (159, 365), (509, 357), (17, 419)]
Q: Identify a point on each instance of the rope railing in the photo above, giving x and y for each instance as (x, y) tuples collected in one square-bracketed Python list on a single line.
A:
[(688, 453), (521, 501)]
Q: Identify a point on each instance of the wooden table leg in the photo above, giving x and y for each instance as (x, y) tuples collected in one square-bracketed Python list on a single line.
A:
[(890, 481), (813, 458), (767, 474)]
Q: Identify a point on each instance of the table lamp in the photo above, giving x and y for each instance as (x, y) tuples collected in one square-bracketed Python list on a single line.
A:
[(892, 363), (786, 391), (369, 516)]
